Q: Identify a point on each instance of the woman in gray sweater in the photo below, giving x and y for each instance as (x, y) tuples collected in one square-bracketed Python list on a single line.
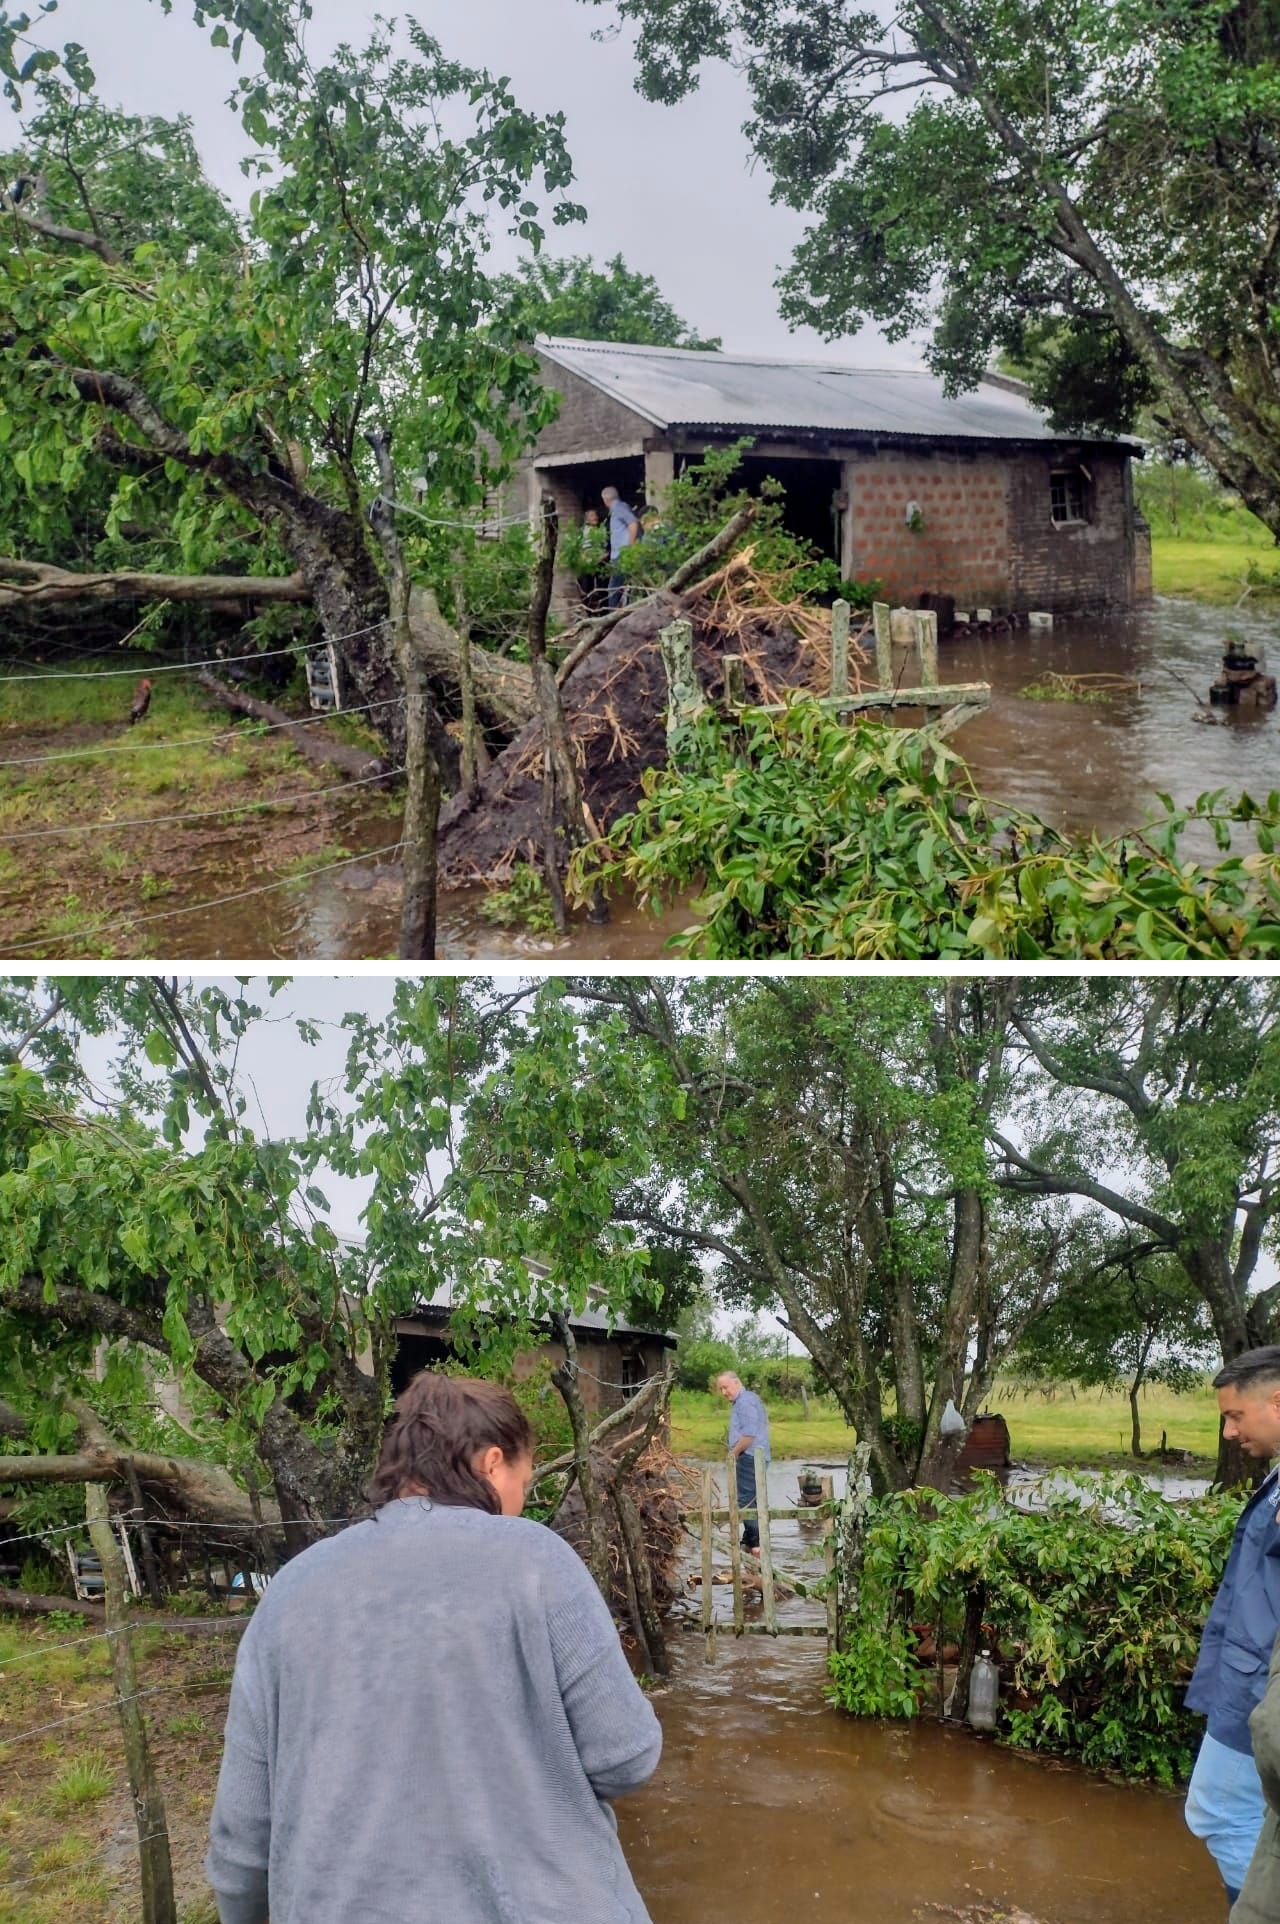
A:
[(431, 1711)]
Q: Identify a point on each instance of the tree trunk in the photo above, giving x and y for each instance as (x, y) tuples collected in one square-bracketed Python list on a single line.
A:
[(565, 1379), (422, 770), (313, 742), (564, 824), (975, 1608), (158, 1903), (1135, 1388)]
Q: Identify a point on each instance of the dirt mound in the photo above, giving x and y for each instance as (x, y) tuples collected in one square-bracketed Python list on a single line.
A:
[(615, 707)]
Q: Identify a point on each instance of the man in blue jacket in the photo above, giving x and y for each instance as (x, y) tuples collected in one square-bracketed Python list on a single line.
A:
[(1224, 1799)]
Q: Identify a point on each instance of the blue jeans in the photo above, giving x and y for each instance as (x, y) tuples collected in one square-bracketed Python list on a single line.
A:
[(1225, 1808), (746, 1479), (617, 589)]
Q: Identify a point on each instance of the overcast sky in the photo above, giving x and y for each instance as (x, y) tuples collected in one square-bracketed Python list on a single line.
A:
[(670, 188)]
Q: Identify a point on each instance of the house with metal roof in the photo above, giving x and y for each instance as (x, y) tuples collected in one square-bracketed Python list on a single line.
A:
[(614, 1356), (971, 496)]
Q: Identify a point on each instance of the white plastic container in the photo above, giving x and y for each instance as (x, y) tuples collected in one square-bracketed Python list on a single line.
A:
[(984, 1693)]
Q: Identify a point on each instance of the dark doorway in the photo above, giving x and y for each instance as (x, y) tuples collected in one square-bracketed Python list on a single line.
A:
[(414, 1353), (809, 508)]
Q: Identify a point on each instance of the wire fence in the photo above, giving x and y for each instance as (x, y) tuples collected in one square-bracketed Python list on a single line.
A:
[(109, 823), (193, 667), (239, 733), (127, 923)]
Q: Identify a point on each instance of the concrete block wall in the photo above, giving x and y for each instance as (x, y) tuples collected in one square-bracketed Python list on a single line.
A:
[(988, 536), (962, 548), (1086, 567)]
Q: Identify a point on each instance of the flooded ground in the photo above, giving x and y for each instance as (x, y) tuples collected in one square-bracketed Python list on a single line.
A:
[(1077, 765), (1083, 765), (769, 1805)]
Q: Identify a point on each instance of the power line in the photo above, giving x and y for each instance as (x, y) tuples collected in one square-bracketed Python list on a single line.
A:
[(195, 908), (199, 814), (192, 667), (480, 526), (191, 741)]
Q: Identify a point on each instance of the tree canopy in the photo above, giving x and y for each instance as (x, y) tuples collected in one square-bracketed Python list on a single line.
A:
[(1098, 182), (171, 369), (572, 296)]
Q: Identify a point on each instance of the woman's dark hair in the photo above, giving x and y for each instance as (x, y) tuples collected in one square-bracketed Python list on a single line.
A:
[(440, 1423)]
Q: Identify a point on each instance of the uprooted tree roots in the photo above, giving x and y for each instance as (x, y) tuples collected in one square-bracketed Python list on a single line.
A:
[(615, 709)]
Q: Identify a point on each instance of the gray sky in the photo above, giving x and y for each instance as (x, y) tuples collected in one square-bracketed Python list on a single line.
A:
[(669, 187)]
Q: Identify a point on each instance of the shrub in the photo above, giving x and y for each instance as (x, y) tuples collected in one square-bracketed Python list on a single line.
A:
[(82, 1780), (1096, 1605), (697, 1362), (813, 839)]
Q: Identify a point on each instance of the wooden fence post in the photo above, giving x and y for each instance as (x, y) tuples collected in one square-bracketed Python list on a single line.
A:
[(684, 690), (708, 1572), (158, 1905), (829, 1565), (881, 615), (853, 1530), (840, 612), (766, 1545), (735, 1548), (927, 638), (735, 683)]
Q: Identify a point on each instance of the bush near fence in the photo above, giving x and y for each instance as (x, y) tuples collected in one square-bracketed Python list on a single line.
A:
[(1093, 1606)]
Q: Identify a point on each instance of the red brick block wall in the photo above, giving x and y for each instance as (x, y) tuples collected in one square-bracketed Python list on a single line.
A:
[(988, 537), (962, 548)]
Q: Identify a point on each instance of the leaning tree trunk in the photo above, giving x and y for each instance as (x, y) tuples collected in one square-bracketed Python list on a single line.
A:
[(422, 770)]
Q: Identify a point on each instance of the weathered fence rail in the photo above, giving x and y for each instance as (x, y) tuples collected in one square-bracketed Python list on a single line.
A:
[(917, 627)]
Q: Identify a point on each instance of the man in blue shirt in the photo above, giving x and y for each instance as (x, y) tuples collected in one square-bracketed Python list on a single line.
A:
[(748, 1432), (624, 528), (1224, 1799)]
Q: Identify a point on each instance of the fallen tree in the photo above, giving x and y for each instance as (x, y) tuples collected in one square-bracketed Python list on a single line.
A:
[(615, 705), (356, 762), (31, 584)]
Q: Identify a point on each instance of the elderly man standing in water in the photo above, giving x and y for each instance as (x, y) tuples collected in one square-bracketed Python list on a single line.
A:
[(748, 1432), (1224, 1799)]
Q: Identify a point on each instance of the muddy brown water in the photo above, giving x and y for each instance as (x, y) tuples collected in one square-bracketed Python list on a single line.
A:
[(1076, 765), (769, 1805)]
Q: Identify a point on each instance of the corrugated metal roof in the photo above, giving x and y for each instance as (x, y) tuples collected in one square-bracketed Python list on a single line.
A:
[(439, 1308), (686, 387)]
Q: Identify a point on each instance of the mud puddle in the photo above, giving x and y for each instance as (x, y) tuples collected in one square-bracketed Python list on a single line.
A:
[(768, 1806)]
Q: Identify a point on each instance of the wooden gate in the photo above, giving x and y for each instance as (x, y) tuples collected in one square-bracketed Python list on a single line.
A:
[(843, 1523)]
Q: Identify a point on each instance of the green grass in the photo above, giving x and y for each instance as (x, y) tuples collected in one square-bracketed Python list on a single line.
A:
[(1084, 1427), (82, 1780), (1215, 570)]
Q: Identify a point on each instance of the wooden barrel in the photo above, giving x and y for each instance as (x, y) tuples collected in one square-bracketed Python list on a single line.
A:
[(987, 1445)]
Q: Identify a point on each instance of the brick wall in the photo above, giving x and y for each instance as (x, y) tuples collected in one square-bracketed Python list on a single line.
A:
[(1082, 568), (988, 537), (588, 419), (962, 549)]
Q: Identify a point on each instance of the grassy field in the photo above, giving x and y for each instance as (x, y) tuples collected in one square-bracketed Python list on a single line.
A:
[(1085, 1427), (1214, 570), (66, 1819), (80, 790)]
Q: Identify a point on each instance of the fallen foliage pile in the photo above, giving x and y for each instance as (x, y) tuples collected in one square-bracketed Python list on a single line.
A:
[(615, 708), (661, 1486)]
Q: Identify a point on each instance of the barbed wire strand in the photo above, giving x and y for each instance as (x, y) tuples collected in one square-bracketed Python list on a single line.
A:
[(195, 908), (172, 1626), (193, 667), (111, 1703), (199, 814), (195, 741), (69, 1870)]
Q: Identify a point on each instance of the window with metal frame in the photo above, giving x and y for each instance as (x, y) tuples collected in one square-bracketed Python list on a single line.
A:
[(1068, 496)]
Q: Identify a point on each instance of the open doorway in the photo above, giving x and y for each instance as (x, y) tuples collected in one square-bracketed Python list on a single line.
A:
[(810, 508), (414, 1353)]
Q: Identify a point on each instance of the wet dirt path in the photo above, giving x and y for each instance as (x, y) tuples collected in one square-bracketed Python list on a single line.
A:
[(768, 1805)]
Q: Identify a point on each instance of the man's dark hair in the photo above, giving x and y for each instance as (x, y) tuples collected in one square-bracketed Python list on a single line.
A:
[(1251, 1369), (440, 1423)]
